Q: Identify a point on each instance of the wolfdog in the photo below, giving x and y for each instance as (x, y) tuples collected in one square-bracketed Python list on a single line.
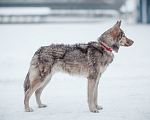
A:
[(90, 60)]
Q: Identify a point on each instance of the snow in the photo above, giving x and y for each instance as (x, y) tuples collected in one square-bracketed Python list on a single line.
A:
[(124, 90), (24, 10)]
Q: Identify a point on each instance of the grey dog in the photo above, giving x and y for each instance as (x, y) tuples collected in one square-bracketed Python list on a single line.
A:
[(90, 60)]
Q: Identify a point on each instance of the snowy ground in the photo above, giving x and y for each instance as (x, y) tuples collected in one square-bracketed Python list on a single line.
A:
[(124, 90)]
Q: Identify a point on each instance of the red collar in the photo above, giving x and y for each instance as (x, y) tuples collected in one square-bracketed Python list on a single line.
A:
[(106, 47)]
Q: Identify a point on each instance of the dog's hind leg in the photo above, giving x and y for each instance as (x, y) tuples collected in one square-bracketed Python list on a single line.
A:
[(35, 83), (33, 86), (39, 91)]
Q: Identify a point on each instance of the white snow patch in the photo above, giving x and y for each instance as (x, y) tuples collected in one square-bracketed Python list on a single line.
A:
[(24, 10)]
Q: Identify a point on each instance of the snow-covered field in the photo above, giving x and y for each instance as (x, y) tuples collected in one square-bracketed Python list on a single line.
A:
[(124, 89)]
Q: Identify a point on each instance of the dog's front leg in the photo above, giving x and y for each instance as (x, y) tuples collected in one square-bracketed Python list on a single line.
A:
[(92, 77), (91, 89), (96, 95)]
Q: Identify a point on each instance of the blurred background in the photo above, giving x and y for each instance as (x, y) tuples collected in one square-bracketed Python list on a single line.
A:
[(52, 11)]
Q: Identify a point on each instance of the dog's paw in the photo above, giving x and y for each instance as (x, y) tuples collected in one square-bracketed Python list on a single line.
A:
[(94, 111), (29, 110), (42, 106), (99, 107)]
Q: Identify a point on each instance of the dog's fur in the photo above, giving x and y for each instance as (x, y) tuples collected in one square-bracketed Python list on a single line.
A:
[(90, 60)]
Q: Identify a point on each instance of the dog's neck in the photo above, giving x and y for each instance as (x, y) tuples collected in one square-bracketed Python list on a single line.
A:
[(101, 40), (105, 46)]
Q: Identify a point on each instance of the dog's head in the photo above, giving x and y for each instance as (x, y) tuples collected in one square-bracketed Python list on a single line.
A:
[(115, 37)]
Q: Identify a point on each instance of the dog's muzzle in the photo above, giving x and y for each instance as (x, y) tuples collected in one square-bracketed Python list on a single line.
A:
[(128, 42)]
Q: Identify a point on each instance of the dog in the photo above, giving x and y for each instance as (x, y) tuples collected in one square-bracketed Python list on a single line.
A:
[(90, 60)]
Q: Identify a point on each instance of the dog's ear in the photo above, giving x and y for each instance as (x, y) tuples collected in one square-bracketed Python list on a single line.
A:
[(119, 23), (116, 29)]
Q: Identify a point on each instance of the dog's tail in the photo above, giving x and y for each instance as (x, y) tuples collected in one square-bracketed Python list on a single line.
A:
[(26, 83)]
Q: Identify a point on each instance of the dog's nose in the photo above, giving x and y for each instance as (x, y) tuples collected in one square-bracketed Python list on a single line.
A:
[(131, 42)]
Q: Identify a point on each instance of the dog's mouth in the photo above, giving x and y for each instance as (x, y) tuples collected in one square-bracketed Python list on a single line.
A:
[(128, 43)]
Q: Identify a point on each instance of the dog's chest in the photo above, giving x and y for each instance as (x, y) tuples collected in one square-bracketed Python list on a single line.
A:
[(104, 61), (102, 69)]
